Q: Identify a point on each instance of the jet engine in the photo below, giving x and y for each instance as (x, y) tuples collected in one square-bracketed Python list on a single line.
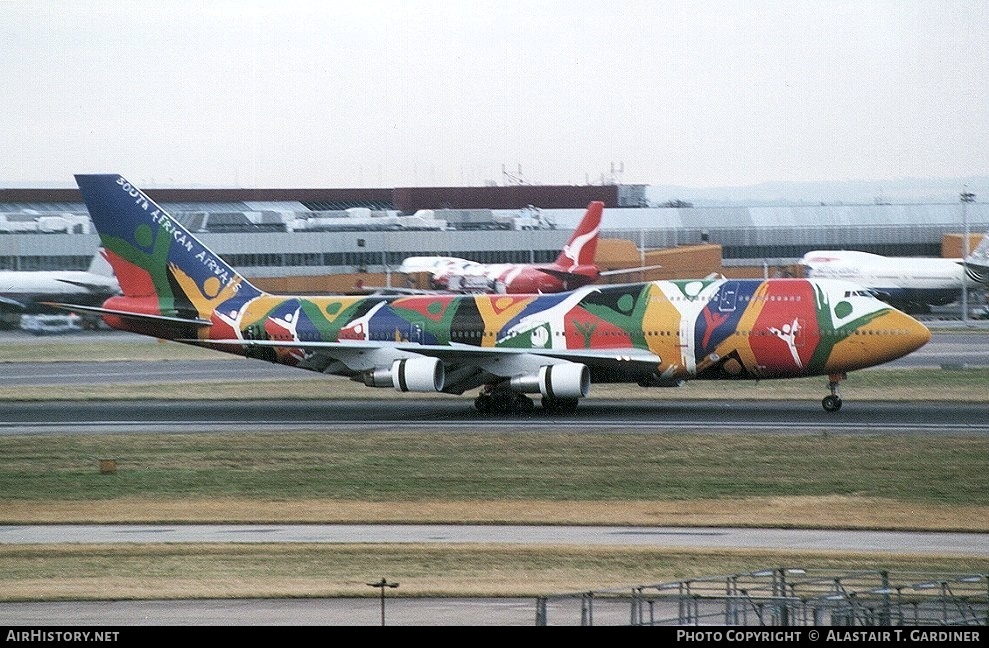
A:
[(570, 380), (409, 374)]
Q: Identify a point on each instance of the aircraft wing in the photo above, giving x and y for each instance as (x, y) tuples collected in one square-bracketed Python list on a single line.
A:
[(466, 366)]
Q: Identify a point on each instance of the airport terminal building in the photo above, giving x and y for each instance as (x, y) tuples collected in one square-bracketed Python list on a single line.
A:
[(286, 233)]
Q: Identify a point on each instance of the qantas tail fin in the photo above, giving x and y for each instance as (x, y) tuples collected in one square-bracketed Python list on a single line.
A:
[(163, 270), (583, 244)]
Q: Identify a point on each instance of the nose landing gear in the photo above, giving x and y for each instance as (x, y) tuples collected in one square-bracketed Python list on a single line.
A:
[(832, 403)]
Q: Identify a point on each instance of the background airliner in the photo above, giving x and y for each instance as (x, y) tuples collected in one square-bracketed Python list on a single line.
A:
[(913, 284), (24, 291), (573, 268), (658, 333)]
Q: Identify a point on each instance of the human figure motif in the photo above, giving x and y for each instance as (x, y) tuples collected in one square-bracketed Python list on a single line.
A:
[(789, 335), (207, 300), (285, 328)]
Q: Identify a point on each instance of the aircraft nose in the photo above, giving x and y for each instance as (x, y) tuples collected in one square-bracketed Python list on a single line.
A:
[(891, 336), (917, 333), (903, 333)]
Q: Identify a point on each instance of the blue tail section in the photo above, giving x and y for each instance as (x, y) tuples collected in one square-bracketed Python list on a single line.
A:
[(154, 257)]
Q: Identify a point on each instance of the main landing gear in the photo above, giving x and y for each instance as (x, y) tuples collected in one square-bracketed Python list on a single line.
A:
[(506, 401), (503, 401), (832, 403)]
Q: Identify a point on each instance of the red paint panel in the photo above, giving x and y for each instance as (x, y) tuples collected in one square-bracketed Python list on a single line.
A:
[(786, 331), (134, 281), (581, 325)]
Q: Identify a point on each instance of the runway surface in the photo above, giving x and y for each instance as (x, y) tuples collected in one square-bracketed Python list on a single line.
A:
[(456, 414), (894, 542)]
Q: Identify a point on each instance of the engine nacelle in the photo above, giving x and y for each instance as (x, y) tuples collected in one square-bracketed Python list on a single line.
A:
[(409, 374), (569, 380)]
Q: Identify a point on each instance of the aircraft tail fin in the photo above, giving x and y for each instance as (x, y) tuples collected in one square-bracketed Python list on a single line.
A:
[(582, 246), (977, 263), (157, 261)]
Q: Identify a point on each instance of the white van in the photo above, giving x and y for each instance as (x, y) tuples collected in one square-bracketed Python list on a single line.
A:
[(49, 324)]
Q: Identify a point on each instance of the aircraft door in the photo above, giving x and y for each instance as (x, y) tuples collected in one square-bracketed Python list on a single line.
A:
[(416, 334), (728, 297)]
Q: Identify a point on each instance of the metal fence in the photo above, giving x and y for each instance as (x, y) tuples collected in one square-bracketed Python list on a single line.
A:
[(782, 596)]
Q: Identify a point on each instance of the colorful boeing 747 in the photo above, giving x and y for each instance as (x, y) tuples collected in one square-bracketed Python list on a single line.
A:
[(659, 333)]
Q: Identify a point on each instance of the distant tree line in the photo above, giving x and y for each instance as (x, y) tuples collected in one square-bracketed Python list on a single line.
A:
[(676, 203)]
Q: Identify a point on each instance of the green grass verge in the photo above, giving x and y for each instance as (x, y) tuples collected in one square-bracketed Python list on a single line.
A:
[(539, 466)]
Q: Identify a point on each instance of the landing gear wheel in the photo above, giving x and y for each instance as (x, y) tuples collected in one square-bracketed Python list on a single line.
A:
[(503, 402), (523, 404), (484, 404), (831, 403)]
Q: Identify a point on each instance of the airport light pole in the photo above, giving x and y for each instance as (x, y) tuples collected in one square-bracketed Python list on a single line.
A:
[(385, 262), (383, 583), (966, 198)]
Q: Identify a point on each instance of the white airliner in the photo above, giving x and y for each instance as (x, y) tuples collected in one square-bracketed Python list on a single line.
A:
[(573, 268), (913, 284), (24, 290)]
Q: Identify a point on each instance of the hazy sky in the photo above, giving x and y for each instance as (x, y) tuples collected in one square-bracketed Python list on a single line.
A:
[(380, 93)]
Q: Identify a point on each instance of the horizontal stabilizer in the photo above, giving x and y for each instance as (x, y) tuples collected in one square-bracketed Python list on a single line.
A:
[(560, 273), (12, 302), (146, 317), (608, 273), (563, 274), (85, 285)]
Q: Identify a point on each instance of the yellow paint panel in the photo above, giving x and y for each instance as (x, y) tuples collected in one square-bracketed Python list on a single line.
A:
[(886, 338), (497, 311), (746, 324), (661, 324)]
